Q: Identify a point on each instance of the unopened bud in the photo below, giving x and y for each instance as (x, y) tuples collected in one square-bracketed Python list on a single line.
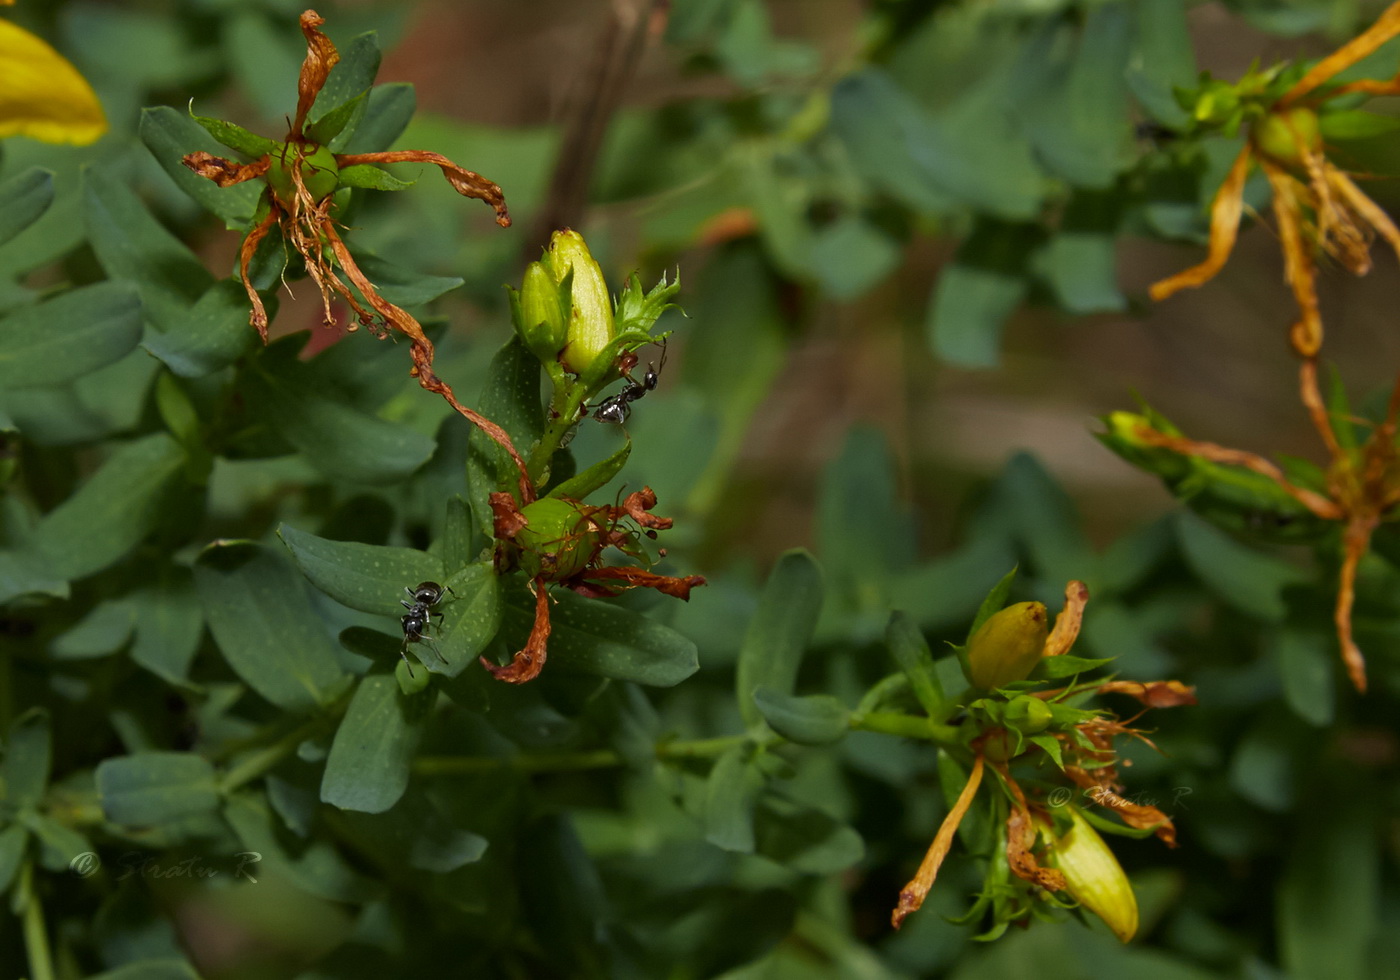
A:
[(540, 317), (591, 324), (1093, 876), (1289, 136), (1008, 645), (320, 174), (1027, 715)]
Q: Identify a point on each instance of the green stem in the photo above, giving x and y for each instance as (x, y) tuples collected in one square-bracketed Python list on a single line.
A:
[(36, 936), (455, 765), (563, 415), (264, 759), (905, 726)]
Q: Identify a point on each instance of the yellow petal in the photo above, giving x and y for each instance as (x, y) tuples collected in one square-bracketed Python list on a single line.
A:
[(42, 96)]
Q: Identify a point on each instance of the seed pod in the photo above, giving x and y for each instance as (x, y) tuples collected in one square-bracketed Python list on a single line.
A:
[(540, 318), (1288, 137), (558, 540), (591, 324), (1093, 876), (1008, 645), (319, 172)]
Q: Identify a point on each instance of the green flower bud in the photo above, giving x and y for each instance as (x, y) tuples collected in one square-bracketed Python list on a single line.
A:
[(540, 317), (1282, 136), (1093, 876), (1027, 715), (558, 541), (319, 171), (1008, 645), (591, 324)]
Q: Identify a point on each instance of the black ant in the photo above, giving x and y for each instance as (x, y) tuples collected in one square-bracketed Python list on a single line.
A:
[(420, 616), (616, 408)]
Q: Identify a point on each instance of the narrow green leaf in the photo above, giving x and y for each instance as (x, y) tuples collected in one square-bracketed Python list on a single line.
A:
[(471, 617), (59, 844), (1067, 665), (367, 769), (66, 337), (1247, 579), (1306, 661), (12, 847), (169, 625), (170, 135), (315, 867), (580, 485), (387, 115), (235, 137), (779, 632), (113, 511), (1356, 124), (104, 630), (730, 794), (512, 400), (24, 773), (401, 285), (803, 838), (978, 291), (911, 652), (208, 336), (818, 719), (23, 198), (338, 125), (151, 969), (349, 79), (261, 617), (593, 636), (1162, 58), (372, 178), (339, 439), (367, 577), (152, 788)]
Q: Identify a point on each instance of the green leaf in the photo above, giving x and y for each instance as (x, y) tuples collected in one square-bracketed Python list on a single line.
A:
[(150, 969), (1356, 124), (1306, 662), (1330, 891), (580, 485), (151, 788), (415, 833), (348, 80), (850, 255), (994, 603), (113, 511), (593, 636), (235, 137), (170, 136), (366, 577), (315, 866), (1067, 665), (803, 838), (779, 632), (818, 719), (66, 337), (12, 847), (1247, 579), (23, 198), (511, 399), (372, 178), (104, 630), (208, 336), (1162, 59), (403, 286), (24, 773), (387, 115), (261, 617), (339, 439), (60, 845), (169, 625), (471, 617), (730, 794), (978, 291), (367, 769), (912, 654)]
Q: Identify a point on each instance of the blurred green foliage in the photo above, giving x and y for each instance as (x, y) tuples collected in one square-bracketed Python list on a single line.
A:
[(203, 542)]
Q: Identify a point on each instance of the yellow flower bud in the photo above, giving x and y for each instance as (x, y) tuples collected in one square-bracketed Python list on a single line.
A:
[(1093, 876), (591, 324), (1008, 645)]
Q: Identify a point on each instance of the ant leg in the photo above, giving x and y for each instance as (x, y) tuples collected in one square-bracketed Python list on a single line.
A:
[(403, 652)]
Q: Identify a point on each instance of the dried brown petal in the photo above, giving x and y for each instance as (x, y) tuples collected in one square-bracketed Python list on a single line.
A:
[(634, 577), (464, 182), (1154, 694), (1067, 623), (527, 662), (223, 172), (913, 894), (321, 57), (1225, 215)]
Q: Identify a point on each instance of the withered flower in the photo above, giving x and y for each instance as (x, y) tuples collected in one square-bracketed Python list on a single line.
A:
[(302, 176), (560, 541), (1079, 743), (1316, 204)]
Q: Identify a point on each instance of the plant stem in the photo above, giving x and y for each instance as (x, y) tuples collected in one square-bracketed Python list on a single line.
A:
[(264, 759), (887, 723), (563, 414), (36, 936)]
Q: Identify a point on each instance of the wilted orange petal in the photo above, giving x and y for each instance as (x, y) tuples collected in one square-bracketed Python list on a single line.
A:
[(1154, 694), (321, 57), (1355, 541), (1386, 27), (42, 95), (917, 890), (1224, 227), (527, 663), (464, 182), (1067, 623)]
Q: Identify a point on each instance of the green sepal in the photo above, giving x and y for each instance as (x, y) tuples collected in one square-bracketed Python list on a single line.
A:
[(235, 137), (372, 178)]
